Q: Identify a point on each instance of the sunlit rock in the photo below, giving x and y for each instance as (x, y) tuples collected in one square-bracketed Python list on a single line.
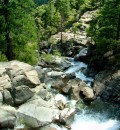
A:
[(37, 113), (87, 94)]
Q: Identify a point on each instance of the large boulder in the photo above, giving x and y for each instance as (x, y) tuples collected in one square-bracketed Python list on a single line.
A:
[(23, 74), (37, 113), (16, 80), (87, 94), (22, 94), (7, 117), (77, 86)]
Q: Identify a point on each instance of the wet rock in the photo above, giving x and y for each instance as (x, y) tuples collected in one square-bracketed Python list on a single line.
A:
[(7, 117)]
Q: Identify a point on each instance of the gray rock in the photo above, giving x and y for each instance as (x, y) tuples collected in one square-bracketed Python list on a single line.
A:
[(7, 98), (50, 127), (38, 113), (7, 116), (1, 98), (22, 94), (5, 82), (44, 94), (67, 115), (25, 71)]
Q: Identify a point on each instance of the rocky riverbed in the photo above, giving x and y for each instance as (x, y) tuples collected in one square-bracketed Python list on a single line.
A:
[(32, 97)]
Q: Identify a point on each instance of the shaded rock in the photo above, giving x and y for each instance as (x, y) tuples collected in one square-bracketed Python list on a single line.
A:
[(41, 73), (22, 94), (1, 98), (101, 82), (7, 98), (7, 117), (50, 127), (60, 84)]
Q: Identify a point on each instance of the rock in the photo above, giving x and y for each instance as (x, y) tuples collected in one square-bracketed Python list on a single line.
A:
[(22, 94), (67, 116), (37, 113), (5, 82), (7, 98), (7, 117), (50, 127), (55, 74), (57, 63), (24, 74), (41, 73), (76, 86), (1, 98), (44, 94), (60, 101), (87, 94)]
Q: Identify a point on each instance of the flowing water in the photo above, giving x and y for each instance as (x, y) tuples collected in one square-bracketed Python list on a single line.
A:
[(97, 116)]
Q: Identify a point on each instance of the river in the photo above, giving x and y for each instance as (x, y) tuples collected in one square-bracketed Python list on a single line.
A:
[(97, 116)]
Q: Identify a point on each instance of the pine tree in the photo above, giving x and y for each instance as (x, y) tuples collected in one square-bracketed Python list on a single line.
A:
[(17, 27)]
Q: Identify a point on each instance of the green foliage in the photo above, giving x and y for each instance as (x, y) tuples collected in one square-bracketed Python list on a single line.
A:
[(27, 53), (57, 53), (47, 57), (17, 29), (2, 57), (105, 28)]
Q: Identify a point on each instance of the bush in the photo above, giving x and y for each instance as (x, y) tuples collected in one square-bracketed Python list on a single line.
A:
[(27, 53), (2, 57)]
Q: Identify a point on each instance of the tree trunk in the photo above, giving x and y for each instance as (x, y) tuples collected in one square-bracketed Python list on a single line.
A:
[(61, 29), (9, 53)]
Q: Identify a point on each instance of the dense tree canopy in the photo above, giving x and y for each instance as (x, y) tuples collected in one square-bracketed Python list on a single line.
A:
[(23, 24), (105, 28), (18, 31)]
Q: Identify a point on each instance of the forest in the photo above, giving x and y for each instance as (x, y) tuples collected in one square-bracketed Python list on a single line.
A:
[(25, 24)]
